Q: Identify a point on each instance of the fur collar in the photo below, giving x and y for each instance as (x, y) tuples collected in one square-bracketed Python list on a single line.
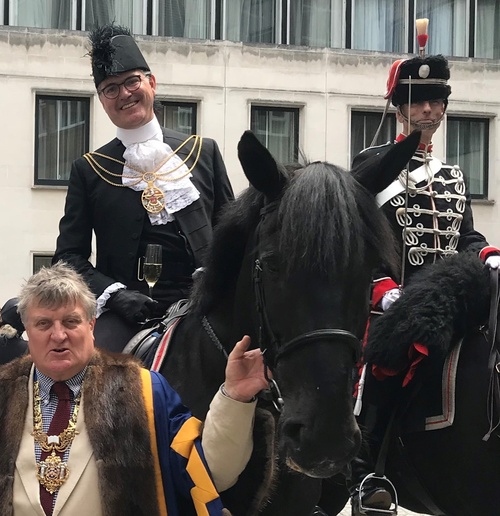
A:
[(119, 437)]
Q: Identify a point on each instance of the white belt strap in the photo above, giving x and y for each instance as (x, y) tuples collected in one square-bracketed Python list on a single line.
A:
[(417, 176)]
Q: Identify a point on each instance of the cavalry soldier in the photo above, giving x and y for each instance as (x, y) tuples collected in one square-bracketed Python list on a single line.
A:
[(429, 209), (148, 185)]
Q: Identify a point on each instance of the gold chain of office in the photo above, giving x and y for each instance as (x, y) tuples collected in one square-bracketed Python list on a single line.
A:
[(152, 198), (52, 472)]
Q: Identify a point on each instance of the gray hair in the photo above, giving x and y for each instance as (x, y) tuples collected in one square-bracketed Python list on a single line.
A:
[(54, 287)]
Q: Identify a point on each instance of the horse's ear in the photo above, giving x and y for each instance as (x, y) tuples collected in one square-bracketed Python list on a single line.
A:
[(377, 172), (259, 166)]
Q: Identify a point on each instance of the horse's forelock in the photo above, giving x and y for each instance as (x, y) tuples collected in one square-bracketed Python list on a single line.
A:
[(328, 221)]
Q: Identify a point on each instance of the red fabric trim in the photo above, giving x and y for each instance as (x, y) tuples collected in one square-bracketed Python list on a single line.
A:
[(421, 146), (416, 354), (486, 251), (380, 287), (392, 80)]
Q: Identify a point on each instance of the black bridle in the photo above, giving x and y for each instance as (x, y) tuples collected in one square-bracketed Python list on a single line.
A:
[(271, 348)]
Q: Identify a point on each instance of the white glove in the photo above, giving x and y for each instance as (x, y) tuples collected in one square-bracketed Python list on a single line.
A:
[(493, 262), (389, 297)]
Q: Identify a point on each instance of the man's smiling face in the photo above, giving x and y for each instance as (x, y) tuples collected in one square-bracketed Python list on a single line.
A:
[(130, 109)]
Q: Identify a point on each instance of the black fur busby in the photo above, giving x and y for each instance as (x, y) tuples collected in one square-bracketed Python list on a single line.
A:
[(441, 303), (429, 79), (113, 51)]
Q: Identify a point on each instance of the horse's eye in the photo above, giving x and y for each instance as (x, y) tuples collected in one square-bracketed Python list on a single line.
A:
[(271, 263)]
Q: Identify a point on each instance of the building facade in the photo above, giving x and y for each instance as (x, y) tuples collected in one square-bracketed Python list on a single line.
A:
[(308, 77)]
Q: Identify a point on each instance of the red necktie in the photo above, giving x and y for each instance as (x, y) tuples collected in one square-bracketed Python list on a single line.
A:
[(57, 425)]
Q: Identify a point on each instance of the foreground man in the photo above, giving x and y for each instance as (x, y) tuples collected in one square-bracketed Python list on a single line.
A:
[(84, 432)]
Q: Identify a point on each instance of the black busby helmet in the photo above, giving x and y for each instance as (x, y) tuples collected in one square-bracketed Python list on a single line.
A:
[(113, 51), (11, 316), (429, 80)]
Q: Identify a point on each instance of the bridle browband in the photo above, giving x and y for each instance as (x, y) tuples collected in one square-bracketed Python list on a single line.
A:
[(269, 343)]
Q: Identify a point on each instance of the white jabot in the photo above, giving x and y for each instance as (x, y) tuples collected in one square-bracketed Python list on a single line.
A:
[(145, 150)]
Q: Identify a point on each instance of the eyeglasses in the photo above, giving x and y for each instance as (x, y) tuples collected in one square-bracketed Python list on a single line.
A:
[(132, 83)]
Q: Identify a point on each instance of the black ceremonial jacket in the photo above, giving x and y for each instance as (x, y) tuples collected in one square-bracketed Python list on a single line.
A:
[(116, 215), (439, 219)]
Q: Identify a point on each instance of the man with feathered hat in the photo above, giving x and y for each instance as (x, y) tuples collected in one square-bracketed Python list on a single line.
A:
[(429, 208), (149, 185)]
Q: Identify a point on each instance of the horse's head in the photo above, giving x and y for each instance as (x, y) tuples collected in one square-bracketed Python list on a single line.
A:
[(295, 269)]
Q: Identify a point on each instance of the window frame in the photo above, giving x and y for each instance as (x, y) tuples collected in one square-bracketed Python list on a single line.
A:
[(486, 119), (40, 255), (362, 110), (163, 102), (280, 7), (286, 23), (407, 43), (56, 96), (9, 12), (294, 109)]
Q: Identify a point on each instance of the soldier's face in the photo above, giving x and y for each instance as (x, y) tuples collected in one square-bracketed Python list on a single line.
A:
[(422, 114)]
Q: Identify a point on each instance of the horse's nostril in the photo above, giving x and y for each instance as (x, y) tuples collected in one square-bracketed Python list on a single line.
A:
[(292, 430)]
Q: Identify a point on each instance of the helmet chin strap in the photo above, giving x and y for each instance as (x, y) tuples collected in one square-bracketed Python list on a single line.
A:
[(421, 126)]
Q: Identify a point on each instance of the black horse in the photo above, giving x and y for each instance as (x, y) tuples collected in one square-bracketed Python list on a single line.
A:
[(446, 462), (290, 265)]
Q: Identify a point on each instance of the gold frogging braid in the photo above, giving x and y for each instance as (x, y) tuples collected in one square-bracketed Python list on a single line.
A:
[(52, 472), (153, 199)]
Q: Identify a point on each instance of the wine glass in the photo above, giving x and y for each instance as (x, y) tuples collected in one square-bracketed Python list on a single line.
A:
[(151, 268)]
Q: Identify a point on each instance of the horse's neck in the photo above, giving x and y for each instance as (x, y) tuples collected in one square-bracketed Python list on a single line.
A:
[(194, 366)]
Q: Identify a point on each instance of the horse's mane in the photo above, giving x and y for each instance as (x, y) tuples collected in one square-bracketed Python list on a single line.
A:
[(225, 253), (328, 222)]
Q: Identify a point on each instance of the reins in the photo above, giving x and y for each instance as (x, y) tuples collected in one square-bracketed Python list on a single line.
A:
[(493, 398)]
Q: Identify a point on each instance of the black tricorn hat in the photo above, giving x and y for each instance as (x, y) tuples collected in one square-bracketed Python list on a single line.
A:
[(113, 51), (429, 80)]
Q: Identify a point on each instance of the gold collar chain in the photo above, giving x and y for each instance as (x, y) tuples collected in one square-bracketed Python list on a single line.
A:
[(52, 472), (153, 198)]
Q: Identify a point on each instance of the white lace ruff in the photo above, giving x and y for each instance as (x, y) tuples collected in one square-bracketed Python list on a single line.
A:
[(178, 190)]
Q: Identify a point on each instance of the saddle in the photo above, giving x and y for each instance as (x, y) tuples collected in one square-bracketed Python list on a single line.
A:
[(145, 343)]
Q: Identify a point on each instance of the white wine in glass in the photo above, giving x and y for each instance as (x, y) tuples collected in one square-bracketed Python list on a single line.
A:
[(151, 268)]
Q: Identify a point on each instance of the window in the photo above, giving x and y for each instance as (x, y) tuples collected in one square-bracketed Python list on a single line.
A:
[(379, 25), (488, 29), (448, 26), (278, 129), (179, 116), (62, 135), (467, 145), (251, 20), (49, 14), (315, 23), (465, 28), (364, 125), (185, 18), (129, 13), (41, 260)]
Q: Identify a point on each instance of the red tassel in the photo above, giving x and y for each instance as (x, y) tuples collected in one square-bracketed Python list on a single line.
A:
[(422, 40)]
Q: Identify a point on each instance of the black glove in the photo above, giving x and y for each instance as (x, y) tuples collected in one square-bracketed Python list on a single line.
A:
[(133, 306)]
